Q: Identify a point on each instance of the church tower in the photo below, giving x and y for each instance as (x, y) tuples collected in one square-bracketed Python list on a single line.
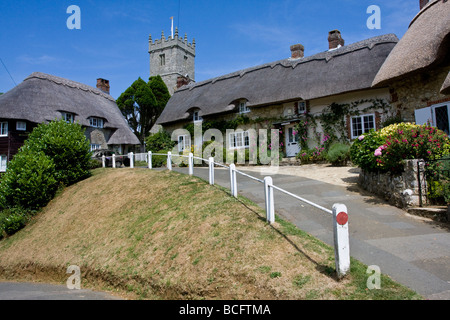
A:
[(173, 59)]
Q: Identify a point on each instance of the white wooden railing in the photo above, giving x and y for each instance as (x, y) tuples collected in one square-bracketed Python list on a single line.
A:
[(339, 212)]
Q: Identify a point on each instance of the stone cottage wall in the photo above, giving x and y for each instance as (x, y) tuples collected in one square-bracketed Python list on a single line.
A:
[(399, 190)]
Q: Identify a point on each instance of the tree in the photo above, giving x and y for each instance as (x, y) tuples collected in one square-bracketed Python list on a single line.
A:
[(142, 104)]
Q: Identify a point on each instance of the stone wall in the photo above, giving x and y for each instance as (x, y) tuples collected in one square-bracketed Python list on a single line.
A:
[(399, 190), (418, 91)]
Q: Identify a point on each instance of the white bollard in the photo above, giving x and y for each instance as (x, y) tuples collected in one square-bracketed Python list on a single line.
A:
[(131, 160), (114, 161), (211, 171), (103, 161), (270, 204), (233, 181), (191, 164), (150, 160), (169, 160), (341, 240)]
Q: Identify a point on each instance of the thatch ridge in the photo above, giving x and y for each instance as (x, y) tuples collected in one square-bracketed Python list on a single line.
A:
[(346, 69)]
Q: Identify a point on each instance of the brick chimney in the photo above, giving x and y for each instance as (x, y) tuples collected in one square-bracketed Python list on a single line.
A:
[(103, 85), (335, 39), (423, 3), (297, 51), (182, 81)]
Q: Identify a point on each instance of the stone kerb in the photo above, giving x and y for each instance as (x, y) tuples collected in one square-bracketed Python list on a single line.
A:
[(400, 190)]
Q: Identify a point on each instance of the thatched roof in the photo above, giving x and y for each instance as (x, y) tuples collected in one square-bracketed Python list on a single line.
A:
[(424, 45), (446, 86), (41, 98), (346, 69)]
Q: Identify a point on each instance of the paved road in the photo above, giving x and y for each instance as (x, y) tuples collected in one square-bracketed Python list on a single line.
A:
[(411, 251), (40, 291)]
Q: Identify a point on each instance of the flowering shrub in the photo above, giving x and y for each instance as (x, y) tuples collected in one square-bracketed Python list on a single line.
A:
[(385, 150)]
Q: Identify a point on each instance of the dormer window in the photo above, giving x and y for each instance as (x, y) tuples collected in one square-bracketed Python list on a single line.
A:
[(243, 108), (197, 117), (68, 117), (302, 107), (96, 122)]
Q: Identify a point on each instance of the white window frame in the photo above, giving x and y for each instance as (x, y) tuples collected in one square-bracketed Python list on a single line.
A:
[(21, 126), (96, 122), (243, 108), (94, 147), (4, 129), (301, 107), (68, 117), (363, 126), (184, 142), (3, 163), (197, 117), (239, 140)]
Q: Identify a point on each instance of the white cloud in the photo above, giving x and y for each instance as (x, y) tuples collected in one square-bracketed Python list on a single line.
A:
[(41, 60)]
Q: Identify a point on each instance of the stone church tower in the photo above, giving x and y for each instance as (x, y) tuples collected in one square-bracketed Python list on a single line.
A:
[(173, 59)]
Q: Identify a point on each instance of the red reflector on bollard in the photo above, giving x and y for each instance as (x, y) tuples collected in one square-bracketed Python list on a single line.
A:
[(342, 218)]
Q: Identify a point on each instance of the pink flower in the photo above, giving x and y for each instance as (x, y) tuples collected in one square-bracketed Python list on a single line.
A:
[(378, 152), (361, 138)]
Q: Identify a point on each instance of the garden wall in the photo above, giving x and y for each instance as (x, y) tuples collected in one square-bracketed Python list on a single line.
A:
[(399, 190)]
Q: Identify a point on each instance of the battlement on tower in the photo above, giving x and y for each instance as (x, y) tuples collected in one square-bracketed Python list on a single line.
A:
[(172, 58), (163, 43)]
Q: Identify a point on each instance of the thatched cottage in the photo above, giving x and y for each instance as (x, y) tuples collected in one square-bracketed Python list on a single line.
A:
[(42, 98), (280, 94), (417, 70)]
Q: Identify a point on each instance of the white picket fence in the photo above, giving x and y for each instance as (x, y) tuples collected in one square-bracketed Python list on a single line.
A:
[(339, 212)]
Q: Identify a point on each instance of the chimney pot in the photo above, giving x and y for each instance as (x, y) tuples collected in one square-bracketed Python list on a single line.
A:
[(297, 51), (335, 39), (423, 3), (103, 85)]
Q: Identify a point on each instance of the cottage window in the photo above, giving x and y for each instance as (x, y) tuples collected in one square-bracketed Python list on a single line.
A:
[(21, 126), (197, 117), (3, 129), (68, 117), (2, 163), (95, 147), (243, 108), (96, 122), (239, 140), (301, 107), (184, 143), (362, 124)]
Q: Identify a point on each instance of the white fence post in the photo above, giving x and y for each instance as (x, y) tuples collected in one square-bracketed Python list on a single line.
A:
[(341, 239), (150, 160), (211, 171), (233, 182), (191, 164), (131, 160), (103, 161), (114, 161), (169, 160), (270, 204)]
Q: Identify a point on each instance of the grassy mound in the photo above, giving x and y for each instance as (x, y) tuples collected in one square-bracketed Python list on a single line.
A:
[(163, 235)]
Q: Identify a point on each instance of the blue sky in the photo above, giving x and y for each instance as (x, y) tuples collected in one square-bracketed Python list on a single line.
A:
[(230, 35)]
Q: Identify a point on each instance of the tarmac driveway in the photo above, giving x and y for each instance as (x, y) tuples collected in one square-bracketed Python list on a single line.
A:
[(411, 250)]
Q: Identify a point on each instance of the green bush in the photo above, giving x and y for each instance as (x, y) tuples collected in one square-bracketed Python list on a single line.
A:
[(339, 154), (66, 144), (385, 150), (29, 182), (159, 161), (159, 141), (315, 155), (12, 220)]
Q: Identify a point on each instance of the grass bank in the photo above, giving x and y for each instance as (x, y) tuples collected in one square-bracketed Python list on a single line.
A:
[(163, 235)]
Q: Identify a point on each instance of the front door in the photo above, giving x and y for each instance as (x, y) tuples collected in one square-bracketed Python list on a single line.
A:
[(292, 138)]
